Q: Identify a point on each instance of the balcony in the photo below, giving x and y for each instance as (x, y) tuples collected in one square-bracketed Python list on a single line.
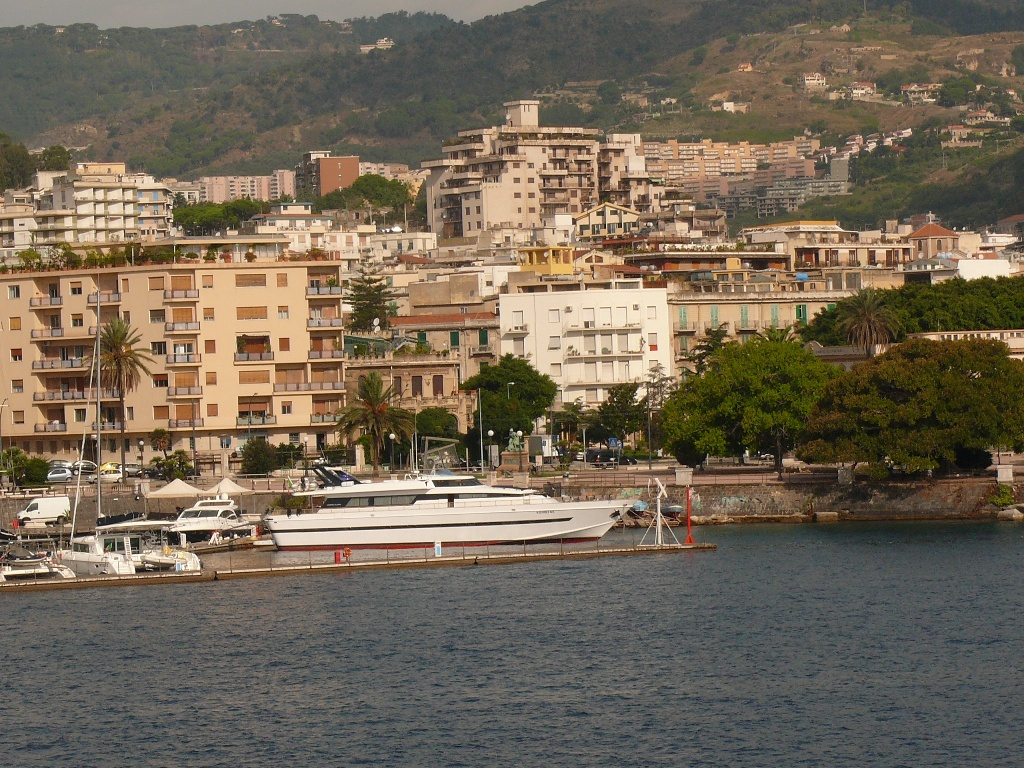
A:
[(326, 354), (108, 426), (50, 364), (253, 357), (106, 297), (47, 333), (518, 330), (181, 294), (186, 359), (485, 349), (255, 420), (323, 418), (323, 290), (184, 423), (73, 394), (191, 327), (46, 301), (51, 427), (184, 391), (325, 322)]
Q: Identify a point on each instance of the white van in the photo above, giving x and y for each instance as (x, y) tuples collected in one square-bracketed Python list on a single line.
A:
[(46, 509)]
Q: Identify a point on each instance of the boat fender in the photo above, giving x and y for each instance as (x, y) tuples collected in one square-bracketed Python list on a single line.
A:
[(167, 549)]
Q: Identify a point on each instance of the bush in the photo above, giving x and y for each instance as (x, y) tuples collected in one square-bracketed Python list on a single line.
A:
[(259, 458), (1003, 496), (36, 470)]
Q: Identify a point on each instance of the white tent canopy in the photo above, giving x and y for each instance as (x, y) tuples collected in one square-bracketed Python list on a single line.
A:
[(228, 486), (176, 489)]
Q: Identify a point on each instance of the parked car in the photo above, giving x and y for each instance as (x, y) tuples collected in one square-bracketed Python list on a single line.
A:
[(59, 475), (84, 467), (107, 476), (60, 464), (132, 470)]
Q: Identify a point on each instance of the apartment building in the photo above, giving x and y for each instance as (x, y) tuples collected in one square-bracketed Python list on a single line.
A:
[(321, 173), (588, 335), (222, 189), (239, 350)]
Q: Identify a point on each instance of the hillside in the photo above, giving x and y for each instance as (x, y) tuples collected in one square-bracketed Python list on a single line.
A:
[(251, 96)]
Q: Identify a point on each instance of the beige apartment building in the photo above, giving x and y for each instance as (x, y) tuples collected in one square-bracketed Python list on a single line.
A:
[(238, 350)]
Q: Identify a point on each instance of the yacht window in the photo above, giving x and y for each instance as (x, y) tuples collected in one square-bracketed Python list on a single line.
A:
[(459, 482)]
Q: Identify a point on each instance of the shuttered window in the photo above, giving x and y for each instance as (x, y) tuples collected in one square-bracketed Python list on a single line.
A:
[(251, 313), (257, 376), (258, 280)]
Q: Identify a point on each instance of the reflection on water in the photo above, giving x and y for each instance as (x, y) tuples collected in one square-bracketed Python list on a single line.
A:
[(840, 646)]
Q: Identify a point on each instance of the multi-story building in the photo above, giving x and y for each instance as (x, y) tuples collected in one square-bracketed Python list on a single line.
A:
[(221, 189), (588, 335), (321, 173), (94, 203)]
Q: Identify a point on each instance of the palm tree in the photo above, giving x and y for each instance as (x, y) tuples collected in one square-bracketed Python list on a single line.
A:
[(374, 414), (866, 320), (778, 334), (160, 439), (122, 363), (572, 416)]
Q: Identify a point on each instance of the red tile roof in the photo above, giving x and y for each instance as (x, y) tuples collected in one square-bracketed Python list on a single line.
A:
[(932, 230)]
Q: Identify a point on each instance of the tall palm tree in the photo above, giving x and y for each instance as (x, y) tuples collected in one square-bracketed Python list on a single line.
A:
[(374, 414), (122, 363), (866, 320)]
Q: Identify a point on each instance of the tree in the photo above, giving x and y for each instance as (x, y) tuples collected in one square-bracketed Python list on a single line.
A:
[(572, 418), (866, 320), (55, 158), (371, 299), (714, 339), (122, 363), (514, 394), (160, 439), (621, 413), (755, 396), (373, 414), (921, 405)]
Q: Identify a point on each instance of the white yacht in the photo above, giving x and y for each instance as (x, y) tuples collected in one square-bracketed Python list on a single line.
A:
[(19, 564), (434, 509), (206, 517), (99, 556), (148, 549)]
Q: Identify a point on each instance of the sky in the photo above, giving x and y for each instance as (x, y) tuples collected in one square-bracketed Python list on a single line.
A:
[(160, 13)]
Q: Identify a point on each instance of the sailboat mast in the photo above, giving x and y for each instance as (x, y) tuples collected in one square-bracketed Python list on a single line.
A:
[(99, 407)]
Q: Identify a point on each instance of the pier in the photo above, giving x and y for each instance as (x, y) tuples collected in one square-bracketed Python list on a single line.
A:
[(225, 571)]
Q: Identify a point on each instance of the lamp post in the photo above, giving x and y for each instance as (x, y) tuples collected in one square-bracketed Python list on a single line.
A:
[(480, 425), (490, 441), (508, 390), (305, 461), (519, 434), (142, 447), (392, 438)]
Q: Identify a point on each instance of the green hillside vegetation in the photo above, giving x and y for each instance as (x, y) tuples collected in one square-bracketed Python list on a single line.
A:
[(953, 305)]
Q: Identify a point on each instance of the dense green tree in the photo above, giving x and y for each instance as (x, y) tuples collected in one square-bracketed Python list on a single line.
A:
[(207, 218), (623, 412), (371, 299), (572, 418), (437, 422), (16, 164), (373, 412), (259, 457), (514, 394), (55, 158), (754, 396), (922, 405), (123, 361), (712, 341)]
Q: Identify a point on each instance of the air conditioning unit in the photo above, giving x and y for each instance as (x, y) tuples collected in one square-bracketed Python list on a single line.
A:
[(636, 307), (568, 310)]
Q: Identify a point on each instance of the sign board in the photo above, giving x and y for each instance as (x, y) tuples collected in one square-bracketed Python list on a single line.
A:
[(613, 443)]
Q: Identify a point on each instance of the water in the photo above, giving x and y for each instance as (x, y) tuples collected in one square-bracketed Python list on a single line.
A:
[(888, 645)]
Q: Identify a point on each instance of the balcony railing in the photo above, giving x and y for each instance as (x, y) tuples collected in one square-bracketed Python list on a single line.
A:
[(107, 426), (74, 394), (255, 421), (74, 362), (186, 359), (325, 322), (106, 297), (323, 418), (186, 326), (184, 391), (485, 349), (182, 293), (325, 354), (519, 329), (253, 357), (47, 333), (51, 427), (184, 423), (323, 290), (46, 301)]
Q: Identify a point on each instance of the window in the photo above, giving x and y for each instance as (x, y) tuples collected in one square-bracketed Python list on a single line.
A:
[(258, 280), (80, 415), (417, 386), (129, 412), (652, 313), (454, 338), (126, 316), (160, 380), (254, 377), (14, 324), (210, 345), (552, 315), (211, 377), (16, 355), (482, 337), (286, 407), (156, 283), (158, 347), (19, 417), (124, 285), (531, 195), (207, 281), (161, 412), (76, 289), (282, 313), (157, 316), (77, 321), (212, 409), (14, 292), (282, 279), (517, 195), (17, 386), (251, 313), (556, 369), (652, 341), (284, 345), (208, 313), (554, 342)]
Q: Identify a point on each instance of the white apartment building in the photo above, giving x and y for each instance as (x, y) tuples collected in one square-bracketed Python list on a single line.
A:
[(588, 336), (154, 204)]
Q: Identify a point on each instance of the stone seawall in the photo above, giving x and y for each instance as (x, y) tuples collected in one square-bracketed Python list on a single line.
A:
[(959, 499)]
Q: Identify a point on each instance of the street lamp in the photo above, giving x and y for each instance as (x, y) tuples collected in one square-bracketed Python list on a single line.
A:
[(508, 390), (519, 434), (142, 446), (392, 437), (490, 441)]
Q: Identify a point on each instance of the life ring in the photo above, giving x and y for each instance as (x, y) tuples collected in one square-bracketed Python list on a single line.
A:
[(347, 553)]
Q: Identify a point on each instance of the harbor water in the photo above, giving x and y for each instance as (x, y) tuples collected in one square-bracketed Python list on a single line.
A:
[(843, 645)]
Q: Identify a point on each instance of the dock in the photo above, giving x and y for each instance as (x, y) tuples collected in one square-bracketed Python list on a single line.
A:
[(464, 559)]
